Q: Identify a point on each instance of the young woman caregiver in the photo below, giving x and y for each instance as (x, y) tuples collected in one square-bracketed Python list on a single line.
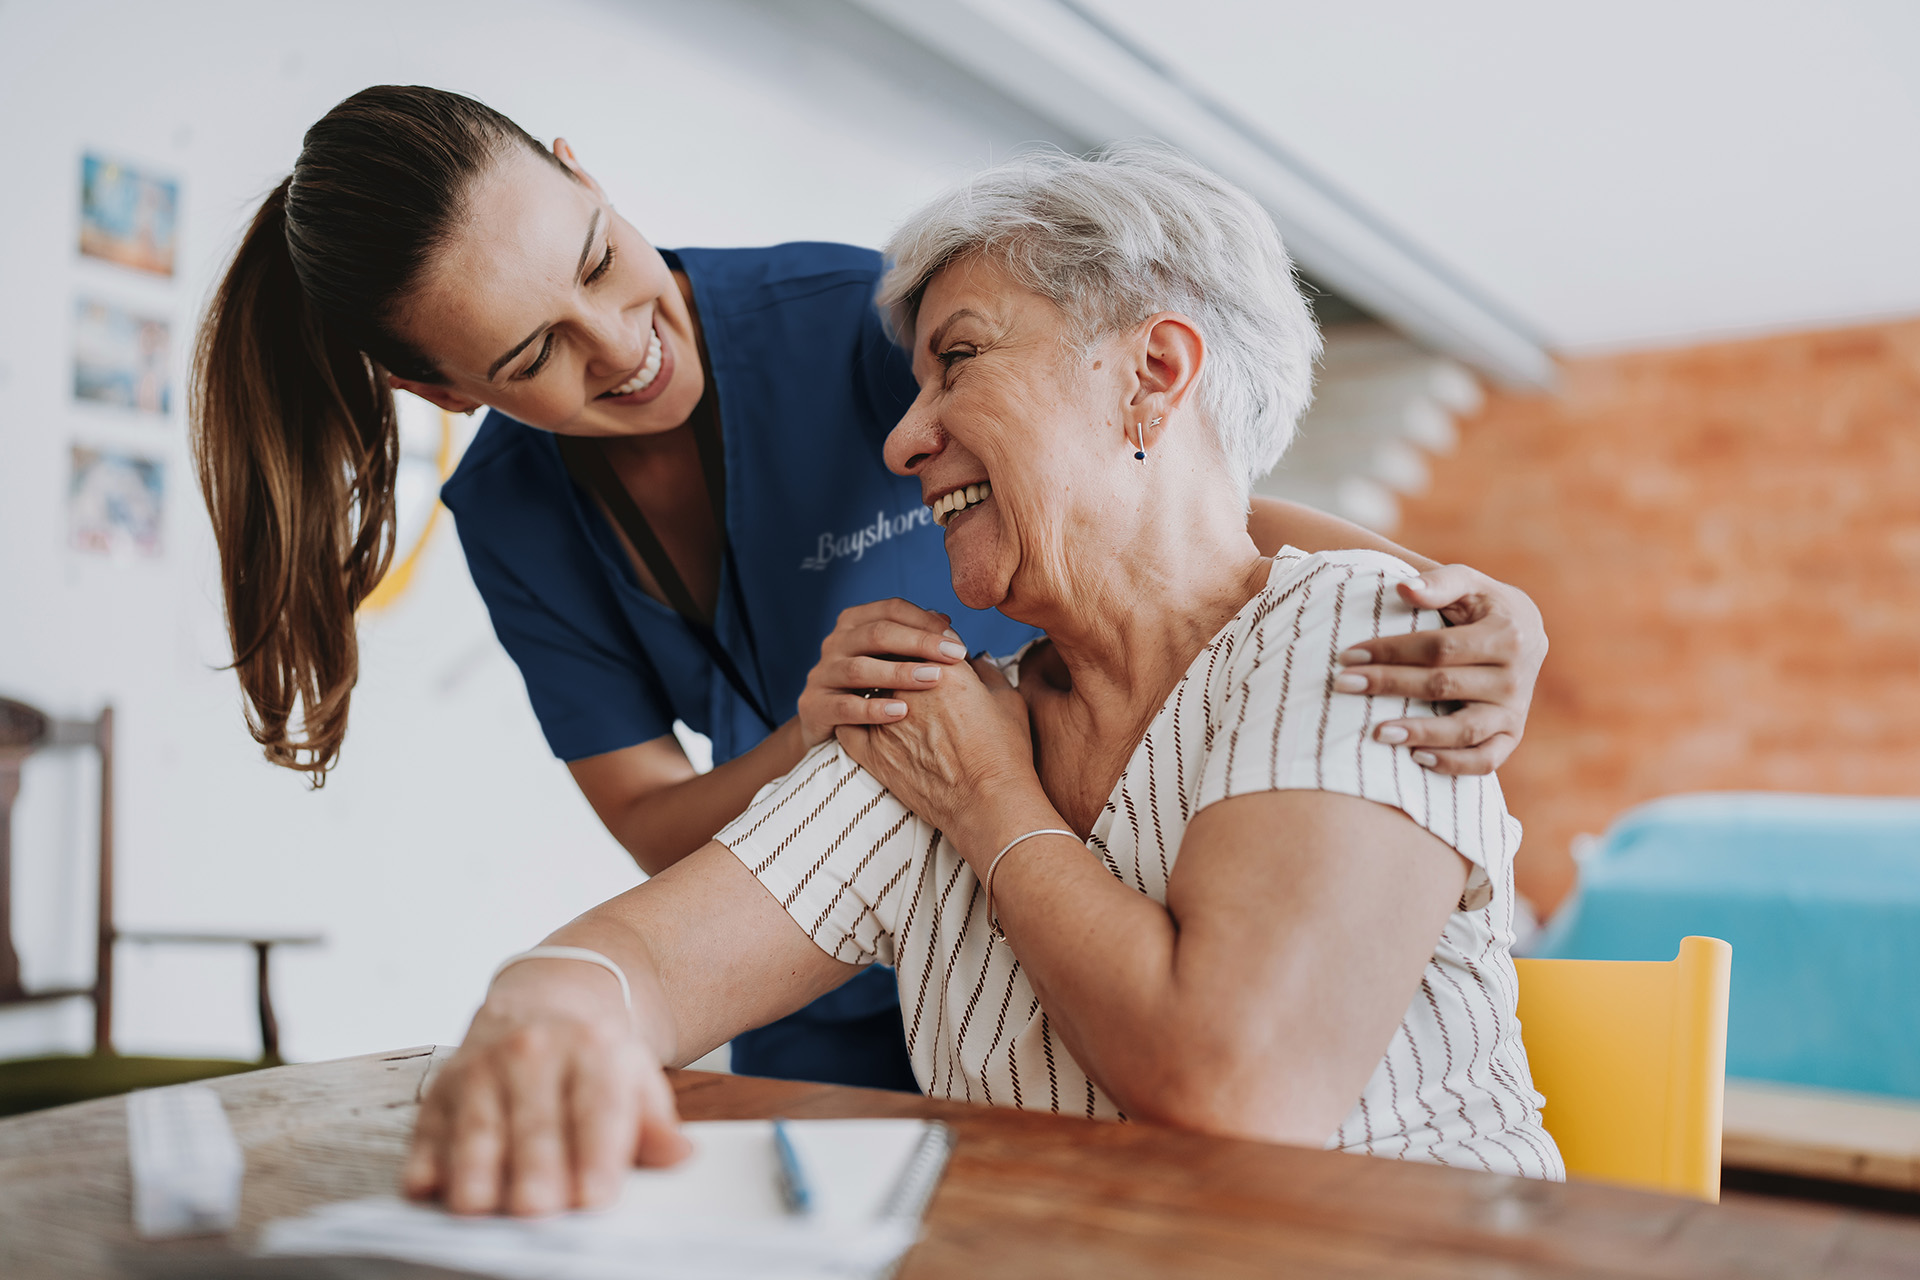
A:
[(679, 491)]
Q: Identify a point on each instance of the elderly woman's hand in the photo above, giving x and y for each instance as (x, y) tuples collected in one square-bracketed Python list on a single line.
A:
[(963, 740), (1486, 662), (552, 1097), (888, 645)]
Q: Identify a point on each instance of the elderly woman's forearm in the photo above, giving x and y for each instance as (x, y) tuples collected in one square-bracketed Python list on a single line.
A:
[(1240, 1007), (1106, 962), (606, 929), (709, 952)]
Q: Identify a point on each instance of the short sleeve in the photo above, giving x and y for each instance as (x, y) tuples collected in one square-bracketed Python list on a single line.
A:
[(592, 689), (1279, 725), (837, 850)]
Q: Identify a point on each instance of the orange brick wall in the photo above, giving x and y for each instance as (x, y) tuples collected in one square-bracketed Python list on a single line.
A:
[(1725, 541)]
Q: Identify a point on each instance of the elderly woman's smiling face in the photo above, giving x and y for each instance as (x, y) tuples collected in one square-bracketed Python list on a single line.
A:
[(1015, 432)]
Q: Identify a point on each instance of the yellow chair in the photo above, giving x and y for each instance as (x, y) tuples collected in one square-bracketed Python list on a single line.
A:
[(1632, 1058)]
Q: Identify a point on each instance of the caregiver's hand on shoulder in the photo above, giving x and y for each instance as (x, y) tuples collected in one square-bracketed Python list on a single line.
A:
[(965, 741), (889, 645), (1486, 662), (550, 1100)]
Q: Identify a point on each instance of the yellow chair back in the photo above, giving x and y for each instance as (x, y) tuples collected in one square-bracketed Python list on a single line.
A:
[(1632, 1058)]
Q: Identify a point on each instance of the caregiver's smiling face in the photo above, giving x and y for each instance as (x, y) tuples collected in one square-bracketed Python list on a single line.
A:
[(1009, 436), (550, 306)]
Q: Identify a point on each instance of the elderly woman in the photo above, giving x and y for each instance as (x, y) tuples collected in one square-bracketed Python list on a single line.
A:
[(1147, 867)]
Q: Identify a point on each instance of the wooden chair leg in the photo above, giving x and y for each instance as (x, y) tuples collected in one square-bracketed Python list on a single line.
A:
[(10, 988), (269, 1027), (104, 932)]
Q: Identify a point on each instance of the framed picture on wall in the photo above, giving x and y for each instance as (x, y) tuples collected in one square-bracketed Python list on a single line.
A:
[(120, 358), (115, 502), (128, 216)]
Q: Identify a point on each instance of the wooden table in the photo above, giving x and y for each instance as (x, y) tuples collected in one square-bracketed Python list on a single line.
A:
[(1025, 1195)]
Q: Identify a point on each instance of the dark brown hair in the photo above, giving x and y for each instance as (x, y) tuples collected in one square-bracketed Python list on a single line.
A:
[(291, 409)]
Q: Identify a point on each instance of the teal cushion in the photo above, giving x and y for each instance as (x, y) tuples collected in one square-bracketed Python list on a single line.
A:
[(1820, 897)]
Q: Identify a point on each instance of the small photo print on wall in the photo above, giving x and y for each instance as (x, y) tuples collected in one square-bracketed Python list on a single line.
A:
[(120, 358), (115, 502), (127, 216)]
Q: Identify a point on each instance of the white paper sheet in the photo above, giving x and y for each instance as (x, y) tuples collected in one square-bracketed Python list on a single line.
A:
[(719, 1214)]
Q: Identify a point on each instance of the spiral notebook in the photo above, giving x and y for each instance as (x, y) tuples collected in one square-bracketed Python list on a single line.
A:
[(718, 1215)]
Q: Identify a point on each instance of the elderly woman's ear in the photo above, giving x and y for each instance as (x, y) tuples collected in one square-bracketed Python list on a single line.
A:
[(1169, 353)]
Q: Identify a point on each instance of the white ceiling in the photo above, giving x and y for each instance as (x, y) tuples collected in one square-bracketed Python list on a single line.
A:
[(1620, 174)]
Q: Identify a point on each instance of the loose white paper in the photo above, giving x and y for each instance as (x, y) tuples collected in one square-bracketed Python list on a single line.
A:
[(717, 1215)]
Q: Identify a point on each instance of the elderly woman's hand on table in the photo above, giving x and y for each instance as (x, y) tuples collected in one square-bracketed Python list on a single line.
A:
[(552, 1097)]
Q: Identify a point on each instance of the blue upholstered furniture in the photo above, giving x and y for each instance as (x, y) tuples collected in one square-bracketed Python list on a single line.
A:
[(1820, 897)]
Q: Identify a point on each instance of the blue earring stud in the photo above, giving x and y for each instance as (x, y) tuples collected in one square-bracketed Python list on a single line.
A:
[(1140, 436)]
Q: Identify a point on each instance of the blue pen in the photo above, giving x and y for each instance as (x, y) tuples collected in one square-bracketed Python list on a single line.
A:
[(793, 1177)]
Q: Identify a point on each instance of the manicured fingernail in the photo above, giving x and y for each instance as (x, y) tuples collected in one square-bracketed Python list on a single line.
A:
[(953, 648), (1354, 657), (894, 708), (1425, 759), (1419, 584), (926, 674), (951, 632), (1391, 734), (1347, 682)]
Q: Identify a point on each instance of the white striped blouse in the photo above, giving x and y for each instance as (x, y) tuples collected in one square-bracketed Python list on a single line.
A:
[(871, 882)]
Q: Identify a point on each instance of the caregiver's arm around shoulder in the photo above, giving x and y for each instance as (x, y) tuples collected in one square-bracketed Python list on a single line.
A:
[(657, 806), (1486, 660)]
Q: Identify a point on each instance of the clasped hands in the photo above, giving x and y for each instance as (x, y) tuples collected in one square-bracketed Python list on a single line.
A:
[(1483, 667), (965, 737)]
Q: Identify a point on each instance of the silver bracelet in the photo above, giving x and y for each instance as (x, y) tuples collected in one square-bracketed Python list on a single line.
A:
[(993, 921), (569, 953)]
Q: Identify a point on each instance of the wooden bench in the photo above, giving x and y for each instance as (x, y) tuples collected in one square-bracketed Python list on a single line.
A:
[(1803, 1132)]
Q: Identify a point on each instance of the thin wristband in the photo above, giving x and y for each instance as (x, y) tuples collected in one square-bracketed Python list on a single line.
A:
[(569, 953), (993, 921)]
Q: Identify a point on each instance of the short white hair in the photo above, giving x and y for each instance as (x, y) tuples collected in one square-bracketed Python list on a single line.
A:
[(1117, 236)]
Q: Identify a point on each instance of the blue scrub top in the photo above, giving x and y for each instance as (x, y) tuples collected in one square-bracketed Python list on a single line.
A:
[(809, 386)]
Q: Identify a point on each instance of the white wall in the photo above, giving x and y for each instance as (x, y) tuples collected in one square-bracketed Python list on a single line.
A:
[(1616, 174), (448, 836)]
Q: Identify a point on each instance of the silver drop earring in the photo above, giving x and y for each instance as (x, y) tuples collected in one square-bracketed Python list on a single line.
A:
[(1140, 435)]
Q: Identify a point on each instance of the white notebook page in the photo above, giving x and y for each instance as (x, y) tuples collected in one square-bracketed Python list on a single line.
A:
[(719, 1213)]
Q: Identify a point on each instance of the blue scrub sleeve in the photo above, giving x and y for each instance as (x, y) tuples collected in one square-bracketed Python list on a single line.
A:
[(592, 694)]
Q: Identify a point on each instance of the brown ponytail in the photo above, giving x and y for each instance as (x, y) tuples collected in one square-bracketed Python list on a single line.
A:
[(291, 411)]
